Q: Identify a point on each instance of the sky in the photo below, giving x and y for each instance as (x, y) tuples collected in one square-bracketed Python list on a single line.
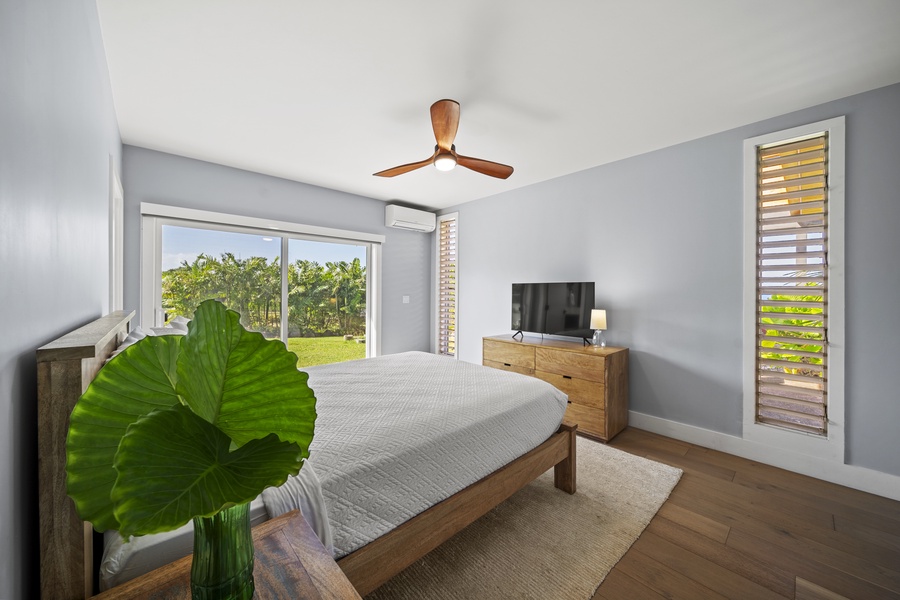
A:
[(181, 244)]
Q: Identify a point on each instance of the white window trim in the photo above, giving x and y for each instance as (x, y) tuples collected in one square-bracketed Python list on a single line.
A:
[(830, 447), (154, 216), (116, 239), (437, 283)]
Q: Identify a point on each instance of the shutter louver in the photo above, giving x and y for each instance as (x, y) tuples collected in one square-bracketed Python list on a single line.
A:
[(446, 342), (792, 285)]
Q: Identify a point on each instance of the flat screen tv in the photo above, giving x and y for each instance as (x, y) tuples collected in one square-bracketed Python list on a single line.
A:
[(553, 308)]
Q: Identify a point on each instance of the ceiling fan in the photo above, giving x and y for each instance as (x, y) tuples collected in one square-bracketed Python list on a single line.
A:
[(445, 121)]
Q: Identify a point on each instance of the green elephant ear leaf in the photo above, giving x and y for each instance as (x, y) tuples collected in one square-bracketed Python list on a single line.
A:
[(173, 465), (148, 443), (136, 382), (242, 383)]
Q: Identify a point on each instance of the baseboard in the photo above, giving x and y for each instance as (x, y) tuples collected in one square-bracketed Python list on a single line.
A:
[(860, 478)]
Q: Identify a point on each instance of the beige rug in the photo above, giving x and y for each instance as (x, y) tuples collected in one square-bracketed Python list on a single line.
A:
[(543, 543)]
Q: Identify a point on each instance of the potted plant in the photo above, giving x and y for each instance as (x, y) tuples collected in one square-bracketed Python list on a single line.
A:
[(176, 428)]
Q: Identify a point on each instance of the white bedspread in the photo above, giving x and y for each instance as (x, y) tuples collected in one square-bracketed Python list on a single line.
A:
[(399, 433), (394, 436)]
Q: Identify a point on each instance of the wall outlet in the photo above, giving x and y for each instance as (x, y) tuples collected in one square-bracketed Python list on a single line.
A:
[(405, 299)]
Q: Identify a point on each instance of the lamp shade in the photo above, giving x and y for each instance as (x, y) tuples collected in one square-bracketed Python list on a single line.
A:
[(598, 318)]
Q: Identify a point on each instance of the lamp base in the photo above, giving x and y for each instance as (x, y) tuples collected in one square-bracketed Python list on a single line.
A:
[(598, 339)]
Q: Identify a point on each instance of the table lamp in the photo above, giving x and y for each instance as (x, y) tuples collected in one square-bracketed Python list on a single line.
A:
[(598, 324)]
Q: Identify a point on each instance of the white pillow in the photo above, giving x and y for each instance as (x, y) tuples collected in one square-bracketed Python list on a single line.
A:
[(125, 560), (179, 322), (168, 330), (134, 336)]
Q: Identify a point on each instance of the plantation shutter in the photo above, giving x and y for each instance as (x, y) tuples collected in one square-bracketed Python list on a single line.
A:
[(792, 285), (447, 272)]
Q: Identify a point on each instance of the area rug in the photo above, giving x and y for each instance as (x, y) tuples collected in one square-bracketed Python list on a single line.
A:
[(543, 543)]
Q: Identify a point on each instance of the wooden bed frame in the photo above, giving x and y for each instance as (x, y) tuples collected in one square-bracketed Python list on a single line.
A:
[(66, 367)]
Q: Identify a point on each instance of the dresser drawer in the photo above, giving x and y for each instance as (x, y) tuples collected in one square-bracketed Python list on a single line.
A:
[(573, 364), (580, 391), (591, 421), (508, 354), (508, 367), (594, 379)]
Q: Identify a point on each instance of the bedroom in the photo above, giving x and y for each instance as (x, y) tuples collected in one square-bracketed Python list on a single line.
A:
[(59, 130)]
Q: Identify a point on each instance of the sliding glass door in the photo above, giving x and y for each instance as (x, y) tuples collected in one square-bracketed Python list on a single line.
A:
[(326, 301), (312, 292), (242, 270)]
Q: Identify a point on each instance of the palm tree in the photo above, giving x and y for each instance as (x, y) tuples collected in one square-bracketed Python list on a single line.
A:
[(321, 300), (186, 286), (270, 294), (349, 291), (307, 297)]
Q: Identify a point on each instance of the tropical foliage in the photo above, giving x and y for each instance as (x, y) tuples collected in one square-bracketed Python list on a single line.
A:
[(323, 300), (177, 427), (806, 341)]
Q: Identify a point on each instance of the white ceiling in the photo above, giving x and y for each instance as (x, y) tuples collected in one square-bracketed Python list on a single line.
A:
[(328, 93)]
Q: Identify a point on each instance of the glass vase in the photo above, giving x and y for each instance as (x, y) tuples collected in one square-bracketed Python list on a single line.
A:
[(222, 567)]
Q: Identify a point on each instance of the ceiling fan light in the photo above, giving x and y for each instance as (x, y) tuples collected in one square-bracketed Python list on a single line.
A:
[(444, 162)]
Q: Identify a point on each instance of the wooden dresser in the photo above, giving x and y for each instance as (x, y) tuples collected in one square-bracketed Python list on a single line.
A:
[(595, 379)]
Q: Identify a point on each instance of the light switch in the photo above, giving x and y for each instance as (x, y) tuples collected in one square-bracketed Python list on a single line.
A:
[(405, 299)]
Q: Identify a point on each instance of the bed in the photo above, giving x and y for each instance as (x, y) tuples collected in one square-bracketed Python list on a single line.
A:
[(68, 563)]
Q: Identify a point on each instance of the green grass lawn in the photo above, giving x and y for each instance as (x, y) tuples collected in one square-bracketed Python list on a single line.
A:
[(324, 350)]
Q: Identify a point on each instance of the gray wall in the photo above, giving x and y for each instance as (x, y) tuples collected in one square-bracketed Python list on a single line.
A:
[(167, 179), (661, 233), (57, 132)]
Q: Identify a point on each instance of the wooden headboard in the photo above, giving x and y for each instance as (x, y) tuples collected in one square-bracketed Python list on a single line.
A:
[(65, 367)]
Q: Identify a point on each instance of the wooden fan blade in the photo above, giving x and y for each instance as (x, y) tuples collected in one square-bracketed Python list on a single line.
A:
[(445, 122), (406, 168), (485, 167)]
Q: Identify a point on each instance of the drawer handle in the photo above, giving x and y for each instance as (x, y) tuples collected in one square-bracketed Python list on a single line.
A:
[(568, 402), (507, 365), (567, 377)]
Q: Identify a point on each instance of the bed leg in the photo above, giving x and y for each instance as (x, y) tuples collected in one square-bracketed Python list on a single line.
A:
[(564, 471)]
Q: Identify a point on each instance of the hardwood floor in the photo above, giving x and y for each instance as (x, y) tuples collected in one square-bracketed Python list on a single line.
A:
[(734, 528)]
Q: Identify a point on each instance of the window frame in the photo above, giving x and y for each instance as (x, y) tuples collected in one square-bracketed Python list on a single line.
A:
[(454, 216), (830, 446), (116, 240), (155, 216)]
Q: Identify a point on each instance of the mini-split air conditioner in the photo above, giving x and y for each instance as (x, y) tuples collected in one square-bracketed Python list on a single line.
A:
[(408, 218)]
